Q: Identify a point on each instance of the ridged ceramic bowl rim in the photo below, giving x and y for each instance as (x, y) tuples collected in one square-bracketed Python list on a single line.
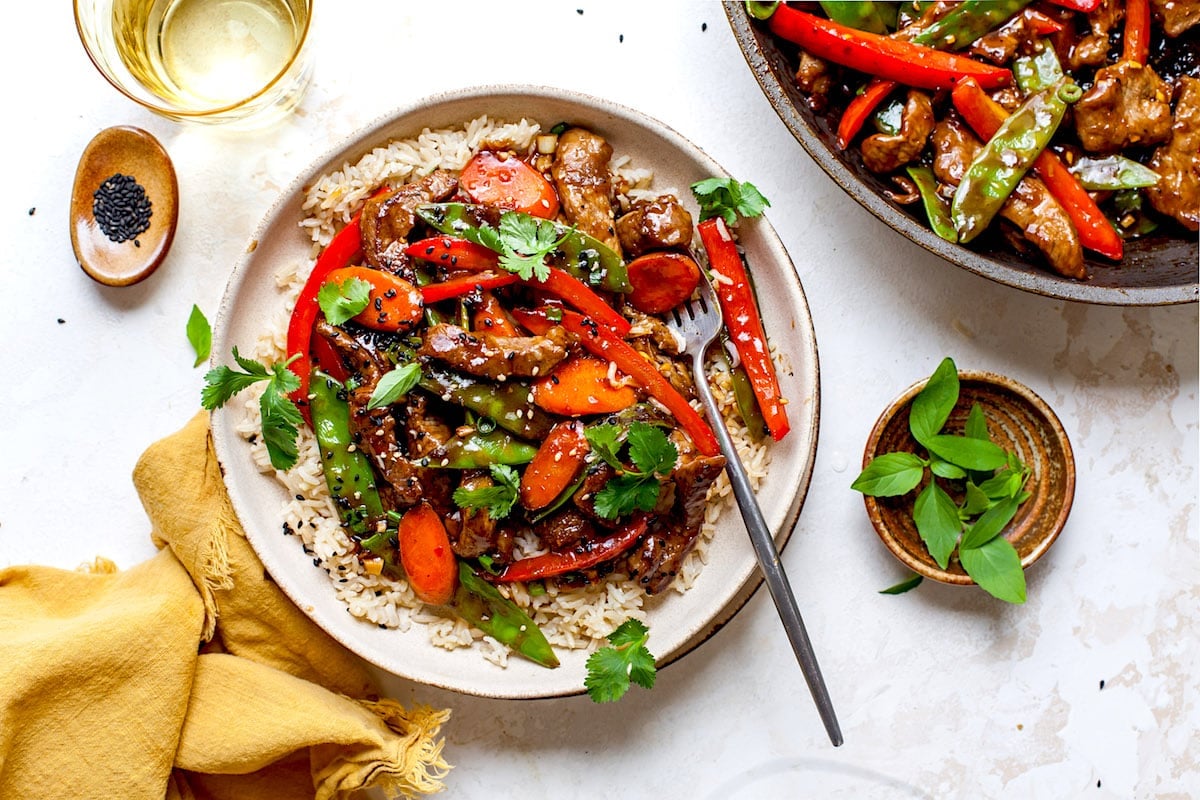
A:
[(1039, 408), (1028, 277), (732, 574)]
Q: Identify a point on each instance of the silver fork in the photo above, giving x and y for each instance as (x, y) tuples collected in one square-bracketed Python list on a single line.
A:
[(698, 321)]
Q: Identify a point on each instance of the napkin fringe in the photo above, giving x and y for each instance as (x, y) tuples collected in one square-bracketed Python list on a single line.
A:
[(419, 767)]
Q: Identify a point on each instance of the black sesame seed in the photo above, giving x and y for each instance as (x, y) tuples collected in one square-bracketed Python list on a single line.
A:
[(32, 211), (121, 208), (703, 27), (621, 38), (61, 321)]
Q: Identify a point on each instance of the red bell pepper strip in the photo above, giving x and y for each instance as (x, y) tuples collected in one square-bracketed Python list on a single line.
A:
[(453, 253), (342, 250), (1086, 6), (601, 342), (743, 322), (860, 109), (582, 556), (1041, 24), (329, 360), (882, 56), (576, 293), (465, 284), (985, 115), (1137, 31)]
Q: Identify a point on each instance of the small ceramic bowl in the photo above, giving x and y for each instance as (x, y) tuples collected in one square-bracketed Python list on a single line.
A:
[(1020, 422)]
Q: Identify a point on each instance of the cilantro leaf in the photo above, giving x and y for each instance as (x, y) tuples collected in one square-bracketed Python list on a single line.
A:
[(344, 301), (525, 241), (626, 660), (394, 385), (199, 335), (606, 443), (650, 449), (728, 199), (280, 417), (498, 499)]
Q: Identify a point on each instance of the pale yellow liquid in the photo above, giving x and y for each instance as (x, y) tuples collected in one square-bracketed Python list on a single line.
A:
[(207, 53)]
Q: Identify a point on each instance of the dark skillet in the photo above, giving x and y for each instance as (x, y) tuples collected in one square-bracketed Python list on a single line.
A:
[(1160, 269)]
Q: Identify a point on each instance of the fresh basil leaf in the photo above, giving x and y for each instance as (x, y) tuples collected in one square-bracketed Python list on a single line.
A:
[(937, 521), (904, 586), (975, 502), (1005, 483), (394, 385), (933, 404), (976, 426), (343, 301), (199, 335), (890, 474), (989, 524), (996, 567), (973, 454), (944, 469)]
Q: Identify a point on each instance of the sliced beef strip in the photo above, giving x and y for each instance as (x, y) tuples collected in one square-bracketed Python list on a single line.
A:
[(388, 218), (883, 153), (1128, 104), (477, 533), (1178, 16), (597, 475), (1178, 162), (656, 563), (495, 357), (564, 529), (653, 328), (1013, 37), (374, 429), (1091, 49), (584, 182), (1031, 207), (814, 79), (659, 224)]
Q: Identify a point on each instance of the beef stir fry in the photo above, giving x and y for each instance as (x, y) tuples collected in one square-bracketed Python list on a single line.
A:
[(1063, 126), (494, 394)]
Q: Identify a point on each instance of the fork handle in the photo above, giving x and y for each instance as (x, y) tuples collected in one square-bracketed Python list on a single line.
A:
[(768, 560)]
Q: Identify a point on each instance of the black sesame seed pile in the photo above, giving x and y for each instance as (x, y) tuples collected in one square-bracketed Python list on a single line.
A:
[(122, 208)]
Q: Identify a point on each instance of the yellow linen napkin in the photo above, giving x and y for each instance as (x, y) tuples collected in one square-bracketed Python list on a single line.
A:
[(191, 676)]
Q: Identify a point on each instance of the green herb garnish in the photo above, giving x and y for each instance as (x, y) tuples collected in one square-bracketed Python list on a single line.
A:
[(611, 669), (394, 385), (343, 301), (523, 242), (199, 335), (498, 499), (634, 487), (991, 481), (280, 417), (728, 199), (906, 585)]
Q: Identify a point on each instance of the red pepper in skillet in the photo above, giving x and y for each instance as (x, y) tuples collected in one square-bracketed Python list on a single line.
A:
[(1137, 31), (1096, 233), (1086, 6), (882, 56), (859, 110), (600, 341), (582, 556), (732, 284)]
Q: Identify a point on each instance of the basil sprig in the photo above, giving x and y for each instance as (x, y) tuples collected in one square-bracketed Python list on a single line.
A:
[(990, 480)]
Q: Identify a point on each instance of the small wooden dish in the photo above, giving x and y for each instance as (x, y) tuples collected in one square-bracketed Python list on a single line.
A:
[(132, 152), (1020, 422)]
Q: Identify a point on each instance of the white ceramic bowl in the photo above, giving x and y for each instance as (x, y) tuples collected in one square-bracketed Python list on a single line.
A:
[(677, 622)]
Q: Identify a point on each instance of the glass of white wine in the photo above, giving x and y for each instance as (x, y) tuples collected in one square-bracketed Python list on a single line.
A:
[(238, 62)]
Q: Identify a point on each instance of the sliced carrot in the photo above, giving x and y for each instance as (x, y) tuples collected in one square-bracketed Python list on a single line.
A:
[(556, 465), (661, 281), (503, 180), (426, 556), (580, 386), (491, 317), (394, 304)]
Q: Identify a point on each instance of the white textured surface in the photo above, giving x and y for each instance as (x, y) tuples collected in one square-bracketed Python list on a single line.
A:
[(942, 692)]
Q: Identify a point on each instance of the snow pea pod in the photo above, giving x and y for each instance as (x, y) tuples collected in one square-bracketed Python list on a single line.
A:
[(1039, 71), (477, 450), (508, 404), (966, 22), (583, 256), (1000, 164), (347, 469), (859, 14), (482, 605), (936, 207), (1113, 173)]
